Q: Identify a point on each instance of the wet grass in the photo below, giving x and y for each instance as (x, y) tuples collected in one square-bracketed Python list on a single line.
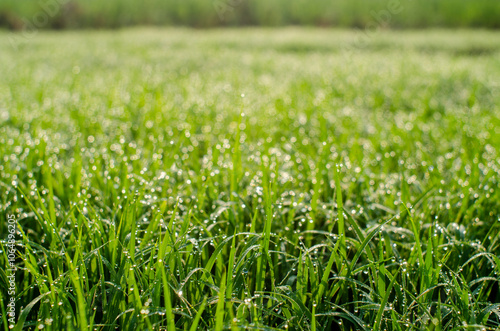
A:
[(238, 179)]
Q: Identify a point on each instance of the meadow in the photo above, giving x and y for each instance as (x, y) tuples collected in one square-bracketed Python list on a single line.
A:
[(260, 179)]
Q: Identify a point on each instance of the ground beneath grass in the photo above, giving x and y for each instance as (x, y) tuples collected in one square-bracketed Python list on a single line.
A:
[(297, 179)]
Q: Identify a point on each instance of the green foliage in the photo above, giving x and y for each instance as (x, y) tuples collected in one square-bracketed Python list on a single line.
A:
[(252, 179), (202, 13)]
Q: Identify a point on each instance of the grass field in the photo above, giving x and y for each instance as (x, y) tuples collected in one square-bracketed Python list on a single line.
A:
[(296, 179)]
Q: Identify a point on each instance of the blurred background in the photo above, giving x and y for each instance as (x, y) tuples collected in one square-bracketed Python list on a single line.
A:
[(74, 14)]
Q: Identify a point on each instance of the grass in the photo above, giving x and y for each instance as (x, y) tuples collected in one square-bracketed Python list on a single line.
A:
[(212, 13), (252, 179)]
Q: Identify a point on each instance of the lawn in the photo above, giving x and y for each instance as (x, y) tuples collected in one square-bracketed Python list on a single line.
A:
[(300, 179)]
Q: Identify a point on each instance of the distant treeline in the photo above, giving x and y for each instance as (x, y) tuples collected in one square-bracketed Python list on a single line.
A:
[(60, 14)]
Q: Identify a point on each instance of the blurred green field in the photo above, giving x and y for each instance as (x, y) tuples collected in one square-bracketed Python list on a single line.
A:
[(252, 179), (212, 13)]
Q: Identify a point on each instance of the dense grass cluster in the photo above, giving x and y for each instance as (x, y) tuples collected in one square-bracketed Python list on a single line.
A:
[(211, 13), (254, 179)]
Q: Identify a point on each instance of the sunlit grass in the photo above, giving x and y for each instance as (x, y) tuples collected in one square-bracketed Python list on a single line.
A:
[(286, 179)]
